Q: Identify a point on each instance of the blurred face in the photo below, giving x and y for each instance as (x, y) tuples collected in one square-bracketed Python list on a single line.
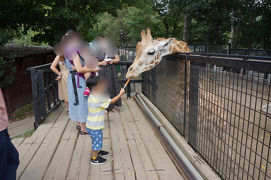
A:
[(101, 86)]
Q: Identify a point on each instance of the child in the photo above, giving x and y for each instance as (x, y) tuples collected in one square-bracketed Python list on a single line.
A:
[(97, 103)]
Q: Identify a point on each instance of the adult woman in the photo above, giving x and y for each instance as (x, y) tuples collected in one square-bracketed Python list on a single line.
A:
[(108, 69), (62, 78), (76, 85)]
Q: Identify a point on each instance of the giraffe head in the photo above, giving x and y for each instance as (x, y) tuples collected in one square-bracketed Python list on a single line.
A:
[(149, 52)]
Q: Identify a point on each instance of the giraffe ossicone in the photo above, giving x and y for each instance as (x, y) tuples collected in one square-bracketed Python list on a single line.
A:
[(149, 52)]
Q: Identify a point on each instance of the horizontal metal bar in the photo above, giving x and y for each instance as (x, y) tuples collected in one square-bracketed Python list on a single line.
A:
[(244, 57), (262, 64), (124, 63), (46, 66), (132, 81), (40, 66), (187, 166)]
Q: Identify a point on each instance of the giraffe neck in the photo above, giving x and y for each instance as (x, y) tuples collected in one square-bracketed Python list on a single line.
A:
[(175, 47)]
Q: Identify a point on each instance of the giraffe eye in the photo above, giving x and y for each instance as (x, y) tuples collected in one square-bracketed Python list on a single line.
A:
[(151, 52)]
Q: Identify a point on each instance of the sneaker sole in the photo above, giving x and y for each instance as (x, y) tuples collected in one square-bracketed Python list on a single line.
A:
[(104, 155), (98, 163)]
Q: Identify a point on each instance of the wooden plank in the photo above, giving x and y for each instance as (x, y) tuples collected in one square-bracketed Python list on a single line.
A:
[(21, 131), (60, 163), (17, 141), (106, 129), (162, 162), (141, 160), (38, 165), (105, 171), (30, 145), (121, 153), (194, 158), (79, 166), (23, 122)]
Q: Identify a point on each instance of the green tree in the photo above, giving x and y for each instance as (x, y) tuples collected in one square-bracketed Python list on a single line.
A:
[(127, 25)]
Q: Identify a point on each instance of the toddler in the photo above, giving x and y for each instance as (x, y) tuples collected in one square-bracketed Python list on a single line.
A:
[(97, 103)]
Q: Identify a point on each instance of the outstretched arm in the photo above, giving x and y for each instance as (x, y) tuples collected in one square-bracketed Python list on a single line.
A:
[(116, 98)]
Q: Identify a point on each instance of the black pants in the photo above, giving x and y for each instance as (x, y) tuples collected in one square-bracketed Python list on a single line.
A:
[(9, 157)]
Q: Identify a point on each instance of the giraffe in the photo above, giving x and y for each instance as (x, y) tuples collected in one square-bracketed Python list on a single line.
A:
[(149, 53)]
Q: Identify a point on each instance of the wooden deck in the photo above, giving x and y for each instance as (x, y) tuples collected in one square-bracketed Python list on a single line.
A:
[(56, 151), (20, 127)]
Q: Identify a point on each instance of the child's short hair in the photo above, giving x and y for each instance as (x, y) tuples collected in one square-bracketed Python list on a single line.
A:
[(93, 81)]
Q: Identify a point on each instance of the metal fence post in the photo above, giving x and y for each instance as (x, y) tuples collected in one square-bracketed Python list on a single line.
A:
[(153, 85), (41, 95), (193, 105), (185, 91), (35, 96)]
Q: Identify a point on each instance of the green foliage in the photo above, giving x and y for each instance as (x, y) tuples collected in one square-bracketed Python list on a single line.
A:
[(243, 23), (25, 134), (25, 37), (126, 26), (7, 72), (22, 112)]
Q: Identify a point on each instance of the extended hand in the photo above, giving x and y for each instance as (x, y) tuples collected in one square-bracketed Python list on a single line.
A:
[(111, 61), (103, 63), (58, 77), (122, 91), (96, 69)]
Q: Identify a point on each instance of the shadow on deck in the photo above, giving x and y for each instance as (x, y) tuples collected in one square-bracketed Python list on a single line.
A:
[(56, 151)]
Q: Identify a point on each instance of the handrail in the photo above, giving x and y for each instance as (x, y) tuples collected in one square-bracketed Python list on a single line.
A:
[(189, 169), (45, 88)]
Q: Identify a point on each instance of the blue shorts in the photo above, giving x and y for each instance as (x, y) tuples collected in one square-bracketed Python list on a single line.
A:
[(97, 138)]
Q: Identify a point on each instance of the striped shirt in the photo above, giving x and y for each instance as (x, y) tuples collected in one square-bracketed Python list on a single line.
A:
[(96, 106)]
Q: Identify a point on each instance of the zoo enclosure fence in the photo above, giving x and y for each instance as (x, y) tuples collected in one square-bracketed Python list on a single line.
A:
[(221, 105)]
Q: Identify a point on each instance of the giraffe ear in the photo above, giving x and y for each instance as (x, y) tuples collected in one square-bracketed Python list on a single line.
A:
[(143, 36), (149, 37)]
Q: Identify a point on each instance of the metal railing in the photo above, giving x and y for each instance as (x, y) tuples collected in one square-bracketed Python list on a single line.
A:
[(221, 104), (123, 66), (44, 92), (45, 88)]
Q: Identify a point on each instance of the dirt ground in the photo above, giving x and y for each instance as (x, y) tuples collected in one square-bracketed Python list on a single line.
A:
[(233, 125)]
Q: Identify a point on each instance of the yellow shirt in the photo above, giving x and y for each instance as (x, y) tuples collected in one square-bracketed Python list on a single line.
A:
[(96, 106)]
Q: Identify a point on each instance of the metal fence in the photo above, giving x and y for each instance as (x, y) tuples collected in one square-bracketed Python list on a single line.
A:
[(45, 88), (221, 104), (44, 92)]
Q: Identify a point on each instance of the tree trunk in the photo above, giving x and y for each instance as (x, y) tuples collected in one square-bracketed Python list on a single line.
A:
[(166, 26), (232, 31), (185, 28)]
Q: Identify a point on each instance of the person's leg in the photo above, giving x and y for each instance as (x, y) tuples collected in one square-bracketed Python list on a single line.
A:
[(97, 142), (83, 127), (101, 152), (94, 154), (3, 154), (12, 160), (67, 104)]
